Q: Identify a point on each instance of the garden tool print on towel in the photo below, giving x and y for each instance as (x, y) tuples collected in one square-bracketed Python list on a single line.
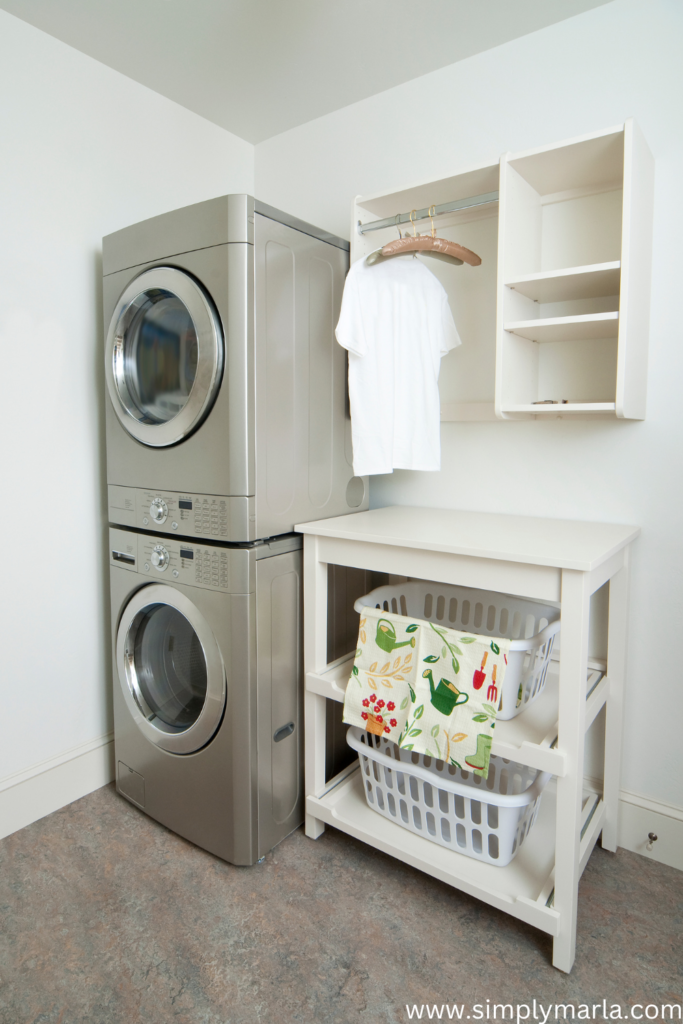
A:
[(421, 685)]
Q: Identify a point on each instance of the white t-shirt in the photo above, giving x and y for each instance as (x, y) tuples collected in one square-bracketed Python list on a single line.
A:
[(396, 324)]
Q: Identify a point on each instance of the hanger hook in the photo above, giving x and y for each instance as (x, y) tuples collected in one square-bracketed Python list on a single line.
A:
[(397, 222), (430, 211), (412, 214)]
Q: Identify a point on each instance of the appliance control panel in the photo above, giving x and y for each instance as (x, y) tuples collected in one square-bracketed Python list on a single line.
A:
[(174, 561), (185, 514), (204, 515)]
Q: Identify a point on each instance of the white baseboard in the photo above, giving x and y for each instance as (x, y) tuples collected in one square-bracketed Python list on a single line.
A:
[(638, 816), (46, 787)]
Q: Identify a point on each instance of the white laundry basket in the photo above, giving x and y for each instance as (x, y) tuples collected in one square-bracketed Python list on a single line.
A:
[(487, 819), (532, 628)]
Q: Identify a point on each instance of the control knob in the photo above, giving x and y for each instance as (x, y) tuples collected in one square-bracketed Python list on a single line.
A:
[(160, 558), (158, 510)]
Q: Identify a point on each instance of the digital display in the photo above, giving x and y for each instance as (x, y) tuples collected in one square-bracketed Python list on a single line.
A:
[(185, 503), (186, 553)]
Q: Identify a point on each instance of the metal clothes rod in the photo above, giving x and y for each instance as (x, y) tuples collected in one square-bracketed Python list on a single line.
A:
[(404, 218)]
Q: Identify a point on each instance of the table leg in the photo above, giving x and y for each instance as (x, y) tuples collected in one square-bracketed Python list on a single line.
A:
[(315, 657), (571, 736), (616, 665)]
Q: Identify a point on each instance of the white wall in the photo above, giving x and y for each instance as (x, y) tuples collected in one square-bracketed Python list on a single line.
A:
[(587, 73), (85, 151)]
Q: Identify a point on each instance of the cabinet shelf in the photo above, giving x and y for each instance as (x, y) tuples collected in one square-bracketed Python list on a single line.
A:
[(528, 739), (566, 328), (518, 888), (566, 409), (524, 888), (573, 283)]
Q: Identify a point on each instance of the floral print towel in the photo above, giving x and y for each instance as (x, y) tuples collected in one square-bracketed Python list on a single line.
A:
[(428, 688)]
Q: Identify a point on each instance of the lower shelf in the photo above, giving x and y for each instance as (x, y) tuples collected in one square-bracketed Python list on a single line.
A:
[(568, 409), (523, 888)]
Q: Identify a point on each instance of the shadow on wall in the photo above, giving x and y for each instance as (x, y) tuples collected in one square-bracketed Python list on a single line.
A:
[(99, 389)]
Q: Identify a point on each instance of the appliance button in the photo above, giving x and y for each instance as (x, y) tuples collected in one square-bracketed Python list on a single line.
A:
[(176, 573), (160, 558), (146, 566), (145, 521), (159, 510), (174, 526)]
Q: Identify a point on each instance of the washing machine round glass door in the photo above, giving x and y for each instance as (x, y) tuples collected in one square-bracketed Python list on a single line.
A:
[(164, 356), (170, 669)]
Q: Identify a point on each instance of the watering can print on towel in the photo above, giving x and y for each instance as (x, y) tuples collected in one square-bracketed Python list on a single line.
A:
[(445, 696), (386, 637), (479, 674)]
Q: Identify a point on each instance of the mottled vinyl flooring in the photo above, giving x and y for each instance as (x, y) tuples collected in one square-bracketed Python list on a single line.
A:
[(108, 918)]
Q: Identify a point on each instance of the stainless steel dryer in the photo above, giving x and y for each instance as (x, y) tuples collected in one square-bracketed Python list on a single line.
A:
[(228, 416), (207, 688)]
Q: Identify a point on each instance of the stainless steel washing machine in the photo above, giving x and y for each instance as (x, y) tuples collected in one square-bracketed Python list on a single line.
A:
[(228, 416), (207, 687)]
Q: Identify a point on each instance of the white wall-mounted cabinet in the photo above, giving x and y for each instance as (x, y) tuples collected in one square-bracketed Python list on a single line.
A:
[(555, 320), (574, 265)]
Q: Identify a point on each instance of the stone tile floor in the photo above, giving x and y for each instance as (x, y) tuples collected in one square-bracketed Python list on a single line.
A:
[(108, 918)]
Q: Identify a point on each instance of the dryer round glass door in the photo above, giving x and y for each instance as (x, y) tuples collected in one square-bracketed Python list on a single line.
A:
[(164, 356), (170, 669)]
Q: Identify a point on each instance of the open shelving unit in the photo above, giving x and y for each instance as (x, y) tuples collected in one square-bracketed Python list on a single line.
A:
[(573, 277), (546, 560), (558, 311)]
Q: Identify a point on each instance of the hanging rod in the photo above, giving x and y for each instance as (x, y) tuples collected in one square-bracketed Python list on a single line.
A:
[(404, 218)]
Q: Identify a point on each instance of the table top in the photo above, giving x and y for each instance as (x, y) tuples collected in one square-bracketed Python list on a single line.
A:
[(562, 543)]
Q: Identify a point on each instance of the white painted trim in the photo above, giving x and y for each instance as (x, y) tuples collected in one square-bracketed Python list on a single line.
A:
[(639, 815), (50, 785), (53, 762), (652, 805)]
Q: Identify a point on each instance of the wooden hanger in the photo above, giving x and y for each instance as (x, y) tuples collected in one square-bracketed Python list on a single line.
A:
[(430, 245)]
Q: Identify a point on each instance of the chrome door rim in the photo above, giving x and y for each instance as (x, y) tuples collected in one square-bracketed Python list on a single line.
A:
[(209, 360), (200, 732)]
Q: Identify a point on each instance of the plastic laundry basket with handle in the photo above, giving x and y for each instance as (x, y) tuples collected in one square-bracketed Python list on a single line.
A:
[(488, 819), (532, 628)]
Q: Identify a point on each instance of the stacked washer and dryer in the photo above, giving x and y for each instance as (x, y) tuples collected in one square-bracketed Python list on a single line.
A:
[(227, 424)]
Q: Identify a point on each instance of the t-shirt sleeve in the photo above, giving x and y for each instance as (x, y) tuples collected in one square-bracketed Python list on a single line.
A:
[(349, 331), (449, 337)]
